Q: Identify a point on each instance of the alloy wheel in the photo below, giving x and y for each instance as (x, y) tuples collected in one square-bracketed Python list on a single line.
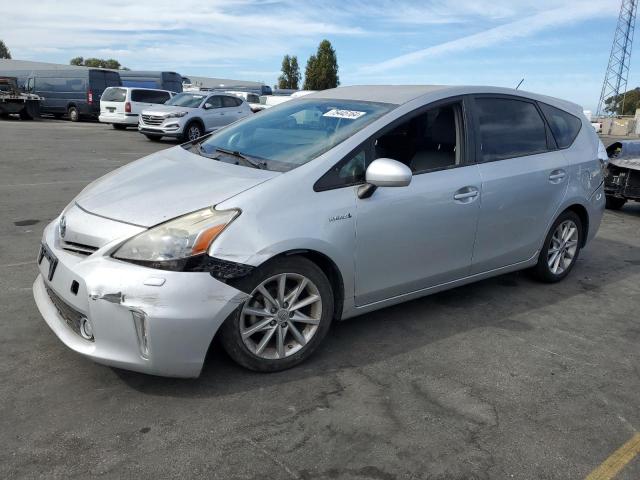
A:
[(563, 247), (281, 317), (194, 132)]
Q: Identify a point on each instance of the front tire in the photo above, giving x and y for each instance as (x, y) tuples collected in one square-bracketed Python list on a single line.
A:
[(287, 316), (615, 203), (191, 132), (561, 248)]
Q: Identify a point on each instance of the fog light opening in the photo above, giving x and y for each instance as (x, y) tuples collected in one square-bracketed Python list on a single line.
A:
[(86, 329), (140, 323)]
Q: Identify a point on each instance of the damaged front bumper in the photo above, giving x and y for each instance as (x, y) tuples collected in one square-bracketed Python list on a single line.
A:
[(141, 319)]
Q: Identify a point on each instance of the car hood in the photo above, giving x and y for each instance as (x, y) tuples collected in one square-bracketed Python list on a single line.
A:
[(165, 185), (162, 110)]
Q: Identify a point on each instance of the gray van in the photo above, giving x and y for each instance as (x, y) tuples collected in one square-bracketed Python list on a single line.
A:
[(72, 91)]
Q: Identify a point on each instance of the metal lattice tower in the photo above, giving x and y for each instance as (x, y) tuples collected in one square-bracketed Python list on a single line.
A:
[(615, 80)]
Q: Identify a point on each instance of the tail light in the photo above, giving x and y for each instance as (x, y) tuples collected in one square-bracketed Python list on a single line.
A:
[(89, 96), (127, 107)]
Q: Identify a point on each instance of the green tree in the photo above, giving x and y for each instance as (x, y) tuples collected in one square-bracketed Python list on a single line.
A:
[(4, 51), (322, 68), (623, 104), (311, 73), (97, 63), (290, 77)]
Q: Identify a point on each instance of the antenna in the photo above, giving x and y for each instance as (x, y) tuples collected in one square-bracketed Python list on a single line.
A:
[(615, 79), (521, 81)]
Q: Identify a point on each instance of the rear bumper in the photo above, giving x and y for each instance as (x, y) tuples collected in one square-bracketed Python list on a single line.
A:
[(596, 208), (146, 320), (120, 119)]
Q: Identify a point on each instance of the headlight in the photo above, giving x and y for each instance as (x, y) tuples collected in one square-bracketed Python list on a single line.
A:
[(171, 244), (176, 114)]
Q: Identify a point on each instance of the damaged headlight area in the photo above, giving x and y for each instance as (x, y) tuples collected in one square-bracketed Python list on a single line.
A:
[(182, 244)]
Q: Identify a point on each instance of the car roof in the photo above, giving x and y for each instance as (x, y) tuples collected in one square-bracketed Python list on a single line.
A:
[(400, 94)]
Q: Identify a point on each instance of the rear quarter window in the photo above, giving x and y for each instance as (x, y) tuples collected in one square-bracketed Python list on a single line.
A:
[(149, 96), (564, 126)]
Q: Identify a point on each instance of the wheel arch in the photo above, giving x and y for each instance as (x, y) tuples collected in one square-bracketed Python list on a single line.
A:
[(328, 267), (583, 214), (197, 120)]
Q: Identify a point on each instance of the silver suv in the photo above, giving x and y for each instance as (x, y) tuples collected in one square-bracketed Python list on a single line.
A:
[(189, 115), (320, 209)]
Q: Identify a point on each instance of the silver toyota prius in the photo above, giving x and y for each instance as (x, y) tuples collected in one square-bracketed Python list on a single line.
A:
[(320, 209)]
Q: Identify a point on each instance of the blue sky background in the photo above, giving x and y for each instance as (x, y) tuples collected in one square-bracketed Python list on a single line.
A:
[(560, 47)]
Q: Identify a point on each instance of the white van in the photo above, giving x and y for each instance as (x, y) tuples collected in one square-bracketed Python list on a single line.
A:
[(120, 106)]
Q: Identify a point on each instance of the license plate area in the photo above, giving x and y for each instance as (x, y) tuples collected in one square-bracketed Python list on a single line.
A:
[(111, 109), (52, 261)]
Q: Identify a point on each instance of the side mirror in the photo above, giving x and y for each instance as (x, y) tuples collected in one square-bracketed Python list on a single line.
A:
[(386, 172)]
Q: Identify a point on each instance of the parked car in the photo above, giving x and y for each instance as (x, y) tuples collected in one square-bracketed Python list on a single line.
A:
[(171, 81), (622, 180), (74, 91), (190, 115), (324, 208), (121, 106), (253, 99)]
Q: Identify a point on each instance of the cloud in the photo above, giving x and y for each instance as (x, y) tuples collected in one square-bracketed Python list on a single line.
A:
[(525, 27)]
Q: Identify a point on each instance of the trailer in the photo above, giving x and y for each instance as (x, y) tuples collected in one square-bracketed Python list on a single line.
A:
[(13, 101)]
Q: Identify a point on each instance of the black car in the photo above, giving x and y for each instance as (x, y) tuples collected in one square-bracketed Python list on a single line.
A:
[(622, 181)]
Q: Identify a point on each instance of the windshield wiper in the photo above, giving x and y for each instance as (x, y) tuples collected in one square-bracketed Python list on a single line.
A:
[(236, 153)]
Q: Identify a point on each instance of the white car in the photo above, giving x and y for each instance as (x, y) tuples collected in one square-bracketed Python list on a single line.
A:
[(189, 115), (120, 106), (253, 99)]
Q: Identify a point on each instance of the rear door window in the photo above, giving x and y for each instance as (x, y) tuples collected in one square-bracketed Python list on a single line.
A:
[(149, 96), (564, 126), (231, 102), (114, 95), (509, 128)]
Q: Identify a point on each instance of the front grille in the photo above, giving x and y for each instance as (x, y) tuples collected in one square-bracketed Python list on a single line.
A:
[(79, 248), (70, 315), (152, 119)]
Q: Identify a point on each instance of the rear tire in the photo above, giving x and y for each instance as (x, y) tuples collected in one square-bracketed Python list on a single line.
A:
[(561, 248), (24, 115), (119, 126), (153, 138), (615, 203), (74, 114), (292, 330)]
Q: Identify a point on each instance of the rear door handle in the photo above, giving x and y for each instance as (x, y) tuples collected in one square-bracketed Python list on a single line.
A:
[(557, 176), (466, 194)]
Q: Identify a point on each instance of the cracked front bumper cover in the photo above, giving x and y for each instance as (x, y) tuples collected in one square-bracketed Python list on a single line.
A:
[(161, 328)]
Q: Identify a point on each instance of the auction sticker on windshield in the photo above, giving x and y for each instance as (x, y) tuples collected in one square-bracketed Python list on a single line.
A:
[(349, 114)]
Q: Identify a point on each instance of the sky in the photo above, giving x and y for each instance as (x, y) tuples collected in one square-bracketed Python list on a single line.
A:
[(559, 47)]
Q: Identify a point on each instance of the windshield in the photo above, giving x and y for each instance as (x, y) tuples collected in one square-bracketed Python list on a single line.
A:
[(297, 131), (189, 100)]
